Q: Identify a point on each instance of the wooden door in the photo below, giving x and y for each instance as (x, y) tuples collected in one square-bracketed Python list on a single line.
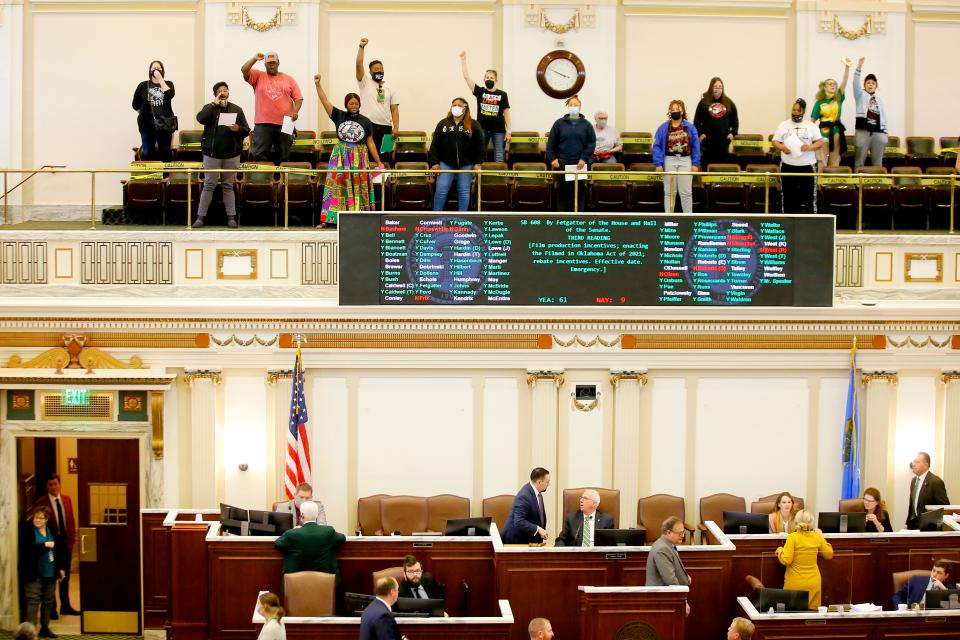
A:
[(108, 535)]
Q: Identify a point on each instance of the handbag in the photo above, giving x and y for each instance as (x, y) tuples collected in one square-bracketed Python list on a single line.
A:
[(165, 123)]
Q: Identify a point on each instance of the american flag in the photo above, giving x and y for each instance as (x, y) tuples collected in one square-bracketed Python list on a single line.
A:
[(298, 443)]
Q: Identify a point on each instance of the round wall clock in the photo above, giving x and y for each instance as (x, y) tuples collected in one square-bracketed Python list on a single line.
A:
[(561, 74)]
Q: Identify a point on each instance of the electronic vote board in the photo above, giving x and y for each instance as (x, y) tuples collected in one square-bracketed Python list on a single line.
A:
[(542, 259)]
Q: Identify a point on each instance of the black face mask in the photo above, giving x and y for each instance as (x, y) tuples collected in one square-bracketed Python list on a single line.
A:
[(489, 84), (378, 76), (798, 118), (676, 115)]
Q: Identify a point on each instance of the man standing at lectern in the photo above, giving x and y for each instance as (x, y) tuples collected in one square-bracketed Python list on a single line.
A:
[(527, 522), (925, 488)]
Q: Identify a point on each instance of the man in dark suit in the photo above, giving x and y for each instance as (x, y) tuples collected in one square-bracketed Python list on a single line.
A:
[(664, 567), (376, 622), (915, 589), (417, 584), (64, 534), (311, 547), (578, 526), (925, 488), (527, 522)]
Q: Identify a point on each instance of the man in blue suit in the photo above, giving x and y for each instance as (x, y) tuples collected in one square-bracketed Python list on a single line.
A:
[(376, 622), (527, 522), (915, 589)]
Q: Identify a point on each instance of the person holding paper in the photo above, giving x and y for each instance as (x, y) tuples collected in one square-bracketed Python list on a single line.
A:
[(676, 147), (798, 141), (224, 129), (153, 100), (380, 101), (344, 191), (608, 139), (570, 146), (276, 108), (457, 144)]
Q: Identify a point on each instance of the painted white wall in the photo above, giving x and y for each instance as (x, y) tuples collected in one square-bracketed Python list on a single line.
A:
[(916, 419), (11, 87), (757, 426), (668, 443), (328, 407), (244, 425), (830, 414), (936, 110), (407, 446), (501, 430), (585, 441)]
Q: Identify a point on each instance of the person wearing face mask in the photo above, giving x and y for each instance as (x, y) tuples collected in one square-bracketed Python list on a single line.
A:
[(153, 102), (493, 109), (717, 121), (827, 109), (379, 101), (277, 95), (303, 494), (676, 147), (608, 139), (348, 191), (798, 141), (221, 145), (571, 141), (871, 127), (457, 144)]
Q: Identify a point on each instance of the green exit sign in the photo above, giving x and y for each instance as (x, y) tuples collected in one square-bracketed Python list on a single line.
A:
[(76, 397)]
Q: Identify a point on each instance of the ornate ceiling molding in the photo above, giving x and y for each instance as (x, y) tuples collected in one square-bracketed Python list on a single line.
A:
[(890, 377)]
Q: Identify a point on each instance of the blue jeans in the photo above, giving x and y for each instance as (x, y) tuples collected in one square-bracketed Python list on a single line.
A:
[(499, 138), (155, 145), (444, 181)]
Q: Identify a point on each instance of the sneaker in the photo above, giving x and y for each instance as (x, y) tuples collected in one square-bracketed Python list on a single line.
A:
[(231, 223), (45, 632), (197, 223)]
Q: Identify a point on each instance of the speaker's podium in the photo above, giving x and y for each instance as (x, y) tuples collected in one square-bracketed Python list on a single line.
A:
[(633, 612)]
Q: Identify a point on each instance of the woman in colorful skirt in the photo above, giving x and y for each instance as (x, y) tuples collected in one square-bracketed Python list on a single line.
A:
[(345, 191)]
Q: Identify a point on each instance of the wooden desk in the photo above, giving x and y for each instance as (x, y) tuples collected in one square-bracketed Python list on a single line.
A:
[(495, 627), (883, 625), (633, 612)]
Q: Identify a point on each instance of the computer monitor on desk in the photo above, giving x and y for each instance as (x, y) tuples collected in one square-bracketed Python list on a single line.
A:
[(619, 538), (233, 520), (739, 522), (942, 599), (836, 522), (930, 520), (781, 600), (356, 602), (432, 607), (468, 527), (269, 523)]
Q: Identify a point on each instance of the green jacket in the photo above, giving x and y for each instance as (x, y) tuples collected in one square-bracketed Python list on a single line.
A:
[(312, 547)]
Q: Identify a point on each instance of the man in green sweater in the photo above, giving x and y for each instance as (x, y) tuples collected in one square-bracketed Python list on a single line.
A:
[(312, 547)]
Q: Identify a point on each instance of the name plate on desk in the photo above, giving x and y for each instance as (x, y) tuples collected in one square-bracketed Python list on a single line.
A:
[(616, 555), (817, 621), (879, 540), (422, 545)]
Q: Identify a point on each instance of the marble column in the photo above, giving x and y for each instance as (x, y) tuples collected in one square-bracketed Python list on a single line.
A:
[(631, 436), (9, 607), (205, 454), (544, 390), (951, 433), (878, 430)]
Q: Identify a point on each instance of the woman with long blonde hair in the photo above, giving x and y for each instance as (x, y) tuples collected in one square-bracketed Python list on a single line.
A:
[(799, 555), (785, 510), (827, 110)]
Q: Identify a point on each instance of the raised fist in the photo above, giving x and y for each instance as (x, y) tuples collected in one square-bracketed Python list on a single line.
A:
[(316, 79), (259, 56), (363, 42)]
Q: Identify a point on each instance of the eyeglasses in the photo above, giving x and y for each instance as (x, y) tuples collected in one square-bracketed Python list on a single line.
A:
[(415, 571)]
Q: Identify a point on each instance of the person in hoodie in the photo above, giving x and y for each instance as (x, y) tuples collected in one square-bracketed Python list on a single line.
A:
[(717, 122), (457, 144), (221, 145), (572, 141), (871, 124), (676, 147)]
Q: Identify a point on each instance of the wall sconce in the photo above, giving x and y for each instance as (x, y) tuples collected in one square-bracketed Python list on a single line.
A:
[(243, 466)]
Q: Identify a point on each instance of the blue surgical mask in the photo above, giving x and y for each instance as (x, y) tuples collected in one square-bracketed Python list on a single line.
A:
[(299, 502), (573, 111)]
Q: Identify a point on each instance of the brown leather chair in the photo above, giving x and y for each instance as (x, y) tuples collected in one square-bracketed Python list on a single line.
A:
[(368, 515), (309, 593), (851, 505), (767, 504), (498, 508), (609, 502), (753, 582), (653, 510), (390, 572), (406, 514), (900, 577), (712, 508), (445, 507)]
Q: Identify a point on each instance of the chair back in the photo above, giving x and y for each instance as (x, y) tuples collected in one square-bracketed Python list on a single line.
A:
[(530, 178), (851, 505), (607, 166), (411, 178), (900, 577), (498, 508), (445, 507), (609, 502), (753, 582), (190, 136), (837, 170), (390, 572), (490, 171), (920, 145), (519, 142), (309, 593), (368, 515), (406, 514), (653, 510), (906, 176), (713, 506), (797, 500), (302, 174)]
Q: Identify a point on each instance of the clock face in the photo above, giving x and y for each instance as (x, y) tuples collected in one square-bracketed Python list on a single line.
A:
[(560, 74)]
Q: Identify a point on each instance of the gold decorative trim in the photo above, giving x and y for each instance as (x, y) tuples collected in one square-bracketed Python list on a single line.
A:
[(732, 341), (286, 264), (121, 340), (233, 339), (616, 378), (585, 407), (919, 344), (156, 422), (876, 266), (586, 343), (956, 267), (875, 22), (909, 257), (214, 376), (58, 358), (273, 377), (237, 15), (57, 263), (113, 7), (583, 16), (381, 6), (950, 376), (890, 377), (186, 264), (224, 254), (119, 383), (534, 377), (418, 341)]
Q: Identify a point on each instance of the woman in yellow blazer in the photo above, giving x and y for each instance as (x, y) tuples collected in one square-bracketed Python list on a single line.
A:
[(799, 554)]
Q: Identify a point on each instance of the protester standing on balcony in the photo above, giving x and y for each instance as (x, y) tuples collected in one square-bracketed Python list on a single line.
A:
[(277, 97), (380, 101), (224, 130), (717, 122), (493, 109), (798, 141), (153, 100), (572, 141), (457, 144), (827, 110), (676, 147), (871, 120)]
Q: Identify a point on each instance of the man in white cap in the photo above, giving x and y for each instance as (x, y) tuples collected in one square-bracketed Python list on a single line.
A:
[(277, 96)]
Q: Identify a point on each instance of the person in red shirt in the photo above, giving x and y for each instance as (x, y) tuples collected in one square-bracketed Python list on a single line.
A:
[(277, 96), (64, 533)]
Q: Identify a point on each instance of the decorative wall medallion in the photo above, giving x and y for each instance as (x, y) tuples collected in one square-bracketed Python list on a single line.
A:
[(238, 14)]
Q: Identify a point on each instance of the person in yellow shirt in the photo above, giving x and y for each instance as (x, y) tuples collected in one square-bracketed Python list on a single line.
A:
[(799, 555)]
